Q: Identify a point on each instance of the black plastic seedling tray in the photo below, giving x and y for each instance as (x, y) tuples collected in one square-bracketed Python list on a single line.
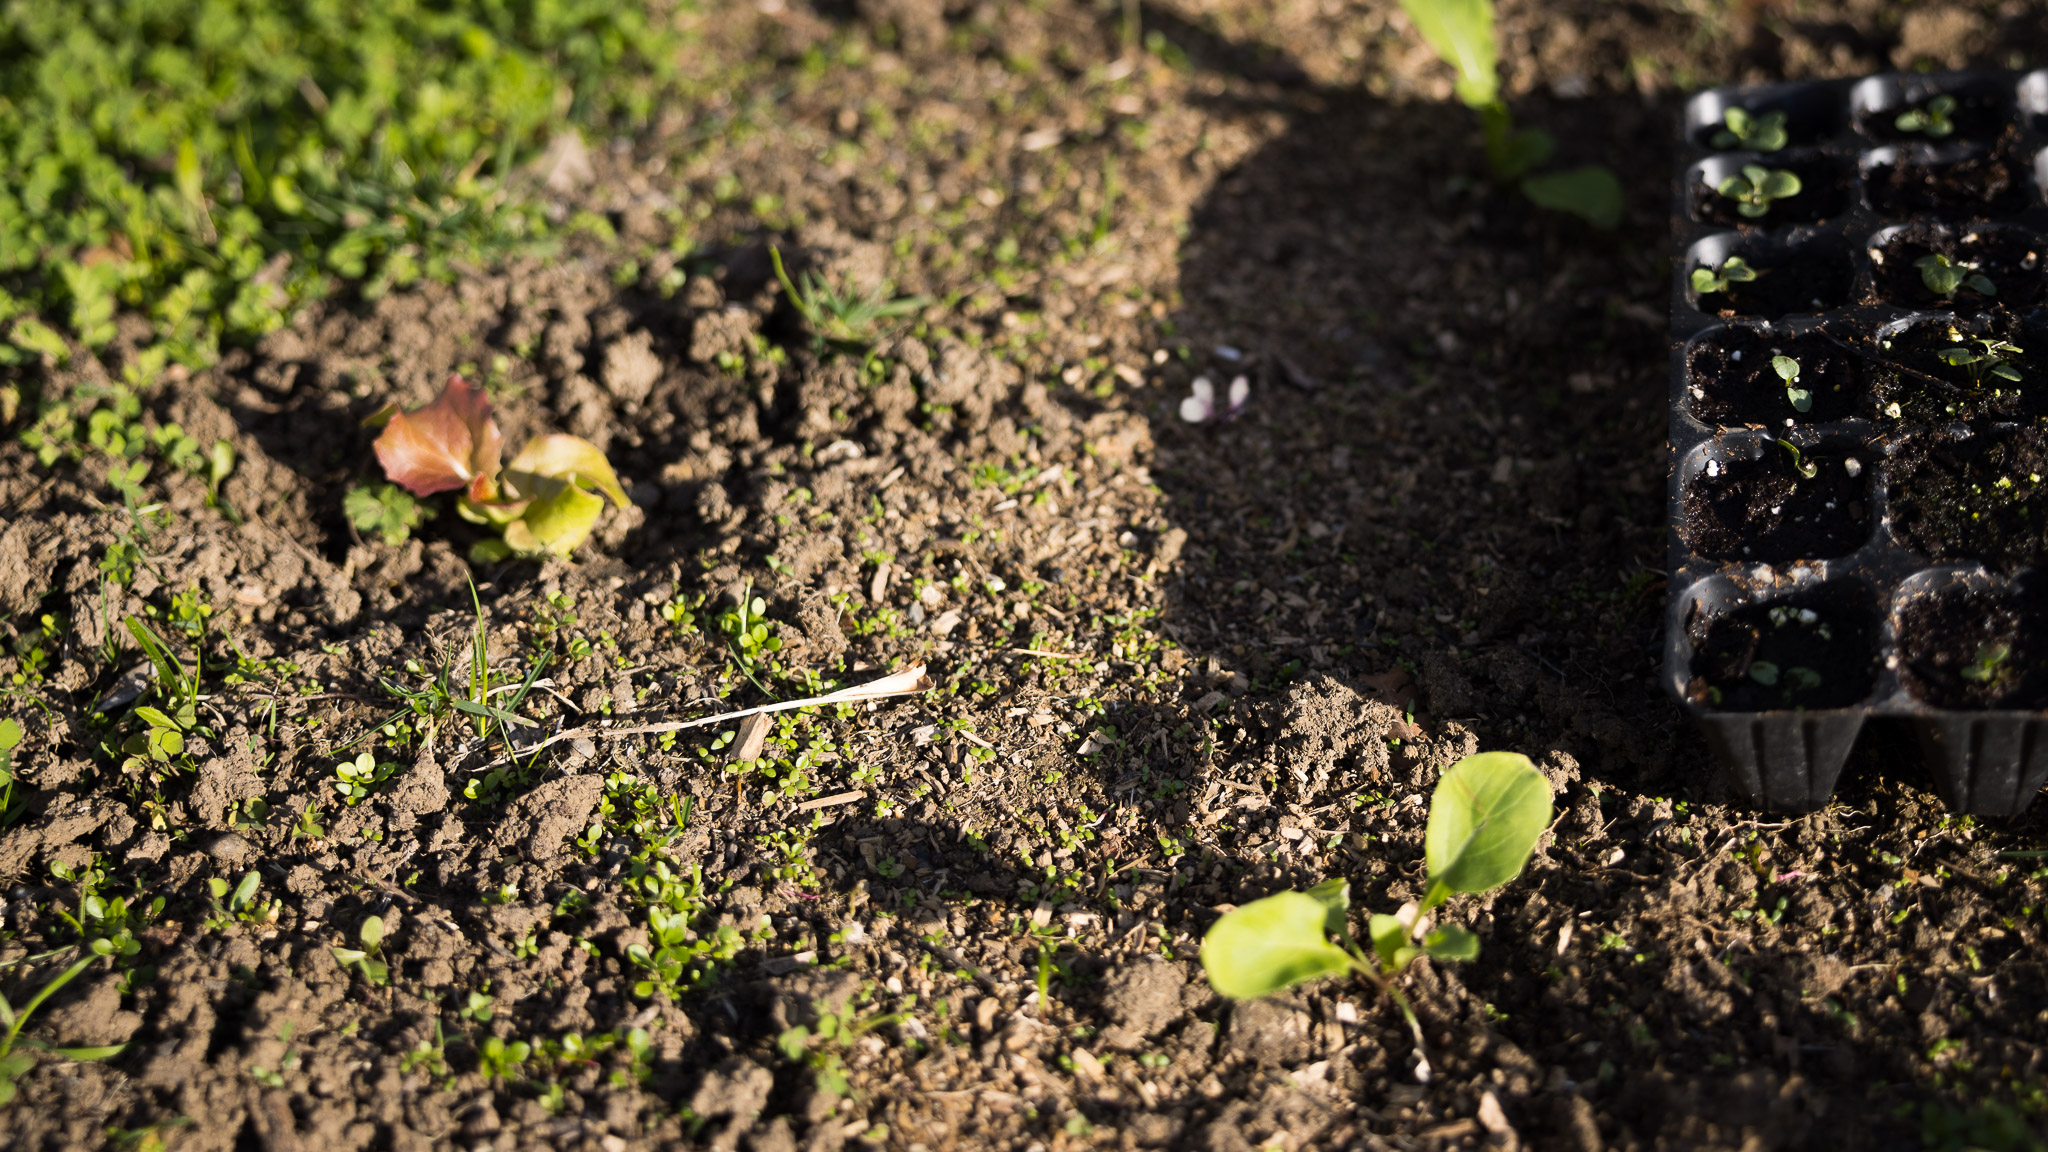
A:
[(1902, 579)]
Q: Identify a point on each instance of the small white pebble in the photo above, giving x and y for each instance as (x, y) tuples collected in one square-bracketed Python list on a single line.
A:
[(1736, 355), (1853, 466)]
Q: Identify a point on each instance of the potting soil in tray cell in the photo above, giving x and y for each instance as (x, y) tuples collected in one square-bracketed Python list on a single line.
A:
[(1858, 500), (1772, 280), (1734, 376), (1769, 501), (1993, 266), (1952, 107), (1721, 184), (1943, 369), (1811, 650), (1965, 494), (1974, 643), (1991, 180)]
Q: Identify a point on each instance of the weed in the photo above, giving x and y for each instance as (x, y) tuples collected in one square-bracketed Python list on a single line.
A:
[(11, 806), (840, 316), (354, 778), (241, 904), (16, 1064), (367, 959), (386, 509), (751, 637), (1485, 817), (677, 957), (820, 1048), (500, 1060)]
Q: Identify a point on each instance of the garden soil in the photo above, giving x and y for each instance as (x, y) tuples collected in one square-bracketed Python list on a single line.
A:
[(1175, 666)]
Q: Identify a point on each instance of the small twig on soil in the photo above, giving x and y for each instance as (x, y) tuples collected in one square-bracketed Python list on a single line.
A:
[(1043, 652), (906, 682)]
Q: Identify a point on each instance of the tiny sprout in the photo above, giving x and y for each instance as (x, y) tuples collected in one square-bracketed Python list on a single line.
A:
[(1985, 668), (1764, 672), (1943, 276), (1734, 270), (1991, 357), (1788, 370), (1765, 133), (1754, 190), (1800, 464), (1932, 120), (1200, 406)]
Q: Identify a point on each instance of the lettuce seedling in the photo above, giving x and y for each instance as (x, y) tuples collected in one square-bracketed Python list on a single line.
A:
[(1788, 370), (1757, 186), (1943, 276), (1765, 133), (1484, 819), (1800, 464), (1734, 270), (545, 502), (1931, 120), (1991, 357)]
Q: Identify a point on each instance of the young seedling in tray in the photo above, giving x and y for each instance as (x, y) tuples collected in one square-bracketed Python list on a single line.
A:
[(1734, 270), (1753, 133), (1991, 358), (1944, 277), (1801, 400), (1932, 119), (1757, 186), (1484, 819)]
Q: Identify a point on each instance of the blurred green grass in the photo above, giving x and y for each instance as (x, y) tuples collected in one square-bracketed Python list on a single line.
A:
[(210, 163)]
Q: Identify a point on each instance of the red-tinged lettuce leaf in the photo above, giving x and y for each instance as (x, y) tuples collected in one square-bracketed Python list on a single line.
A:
[(569, 458), (449, 444)]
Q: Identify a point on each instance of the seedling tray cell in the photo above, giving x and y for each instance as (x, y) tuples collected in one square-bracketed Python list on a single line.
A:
[(1858, 499)]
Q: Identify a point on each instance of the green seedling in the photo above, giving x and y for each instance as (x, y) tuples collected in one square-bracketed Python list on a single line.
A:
[(820, 1048), (840, 316), (1734, 270), (1988, 665), (366, 959), (1931, 119), (354, 778), (1795, 679), (1943, 276), (1990, 358), (751, 637), (500, 1060), (1756, 187), (1484, 820), (545, 502), (241, 903), (1800, 464), (16, 1064), (385, 509), (1788, 370), (10, 739), (1461, 33), (1765, 133)]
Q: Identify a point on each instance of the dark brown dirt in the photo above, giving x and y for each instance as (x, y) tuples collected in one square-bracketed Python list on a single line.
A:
[(1177, 667)]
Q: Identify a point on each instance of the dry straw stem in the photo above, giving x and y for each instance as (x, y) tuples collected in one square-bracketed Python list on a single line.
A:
[(903, 682)]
